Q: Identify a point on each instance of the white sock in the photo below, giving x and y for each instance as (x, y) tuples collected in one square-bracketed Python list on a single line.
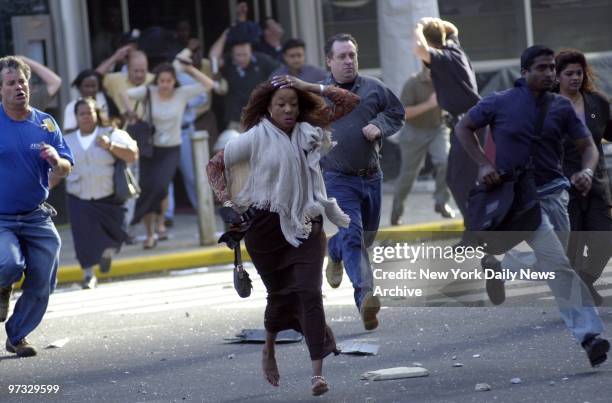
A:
[(88, 271)]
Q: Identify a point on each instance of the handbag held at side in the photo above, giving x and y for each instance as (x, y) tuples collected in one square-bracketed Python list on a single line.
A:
[(503, 216), (143, 130)]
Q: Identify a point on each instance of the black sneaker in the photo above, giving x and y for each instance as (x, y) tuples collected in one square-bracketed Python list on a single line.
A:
[(22, 348), (105, 263), (596, 349), (5, 298), (496, 289)]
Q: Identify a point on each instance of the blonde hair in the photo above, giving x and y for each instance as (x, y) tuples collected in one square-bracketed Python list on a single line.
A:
[(435, 33)]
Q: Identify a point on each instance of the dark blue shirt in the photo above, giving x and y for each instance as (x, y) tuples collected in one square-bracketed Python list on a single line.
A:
[(512, 115), (378, 106), (23, 174), (453, 77)]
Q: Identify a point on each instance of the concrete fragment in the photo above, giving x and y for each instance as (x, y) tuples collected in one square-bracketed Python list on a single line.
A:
[(482, 387), (457, 364), (394, 373), (516, 381), (59, 343)]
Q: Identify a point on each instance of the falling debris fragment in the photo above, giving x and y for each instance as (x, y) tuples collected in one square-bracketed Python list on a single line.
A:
[(457, 364), (417, 364), (259, 336), (231, 357), (476, 356), (358, 347), (454, 357), (59, 343), (394, 373), (516, 381), (482, 387)]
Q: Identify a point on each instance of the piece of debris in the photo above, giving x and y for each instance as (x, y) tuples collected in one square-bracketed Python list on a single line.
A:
[(259, 336), (482, 387), (551, 383), (59, 343), (394, 373), (476, 356), (565, 378), (358, 347), (516, 381), (417, 364), (454, 357), (231, 357), (457, 364), (186, 314)]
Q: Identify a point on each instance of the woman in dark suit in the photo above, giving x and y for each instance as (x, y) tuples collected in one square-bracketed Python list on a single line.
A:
[(590, 214)]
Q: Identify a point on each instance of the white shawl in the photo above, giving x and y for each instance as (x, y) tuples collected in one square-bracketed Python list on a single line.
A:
[(285, 176)]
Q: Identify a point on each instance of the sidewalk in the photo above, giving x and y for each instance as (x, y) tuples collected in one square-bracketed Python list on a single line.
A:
[(182, 249)]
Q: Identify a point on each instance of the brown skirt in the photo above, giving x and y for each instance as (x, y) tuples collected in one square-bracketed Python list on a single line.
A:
[(293, 278)]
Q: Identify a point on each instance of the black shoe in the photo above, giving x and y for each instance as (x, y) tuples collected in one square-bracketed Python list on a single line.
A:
[(395, 220), (495, 287), (105, 263), (445, 210), (89, 282), (596, 349), (5, 298), (22, 348), (169, 222)]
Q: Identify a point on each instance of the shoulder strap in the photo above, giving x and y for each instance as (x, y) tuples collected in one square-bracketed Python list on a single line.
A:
[(537, 134), (149, 105)]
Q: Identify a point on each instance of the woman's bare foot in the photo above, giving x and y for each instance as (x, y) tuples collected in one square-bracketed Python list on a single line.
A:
[(269, 367), (319, 385)]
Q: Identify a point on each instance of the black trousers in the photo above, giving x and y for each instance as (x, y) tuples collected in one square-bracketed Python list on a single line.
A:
[(591, 223)]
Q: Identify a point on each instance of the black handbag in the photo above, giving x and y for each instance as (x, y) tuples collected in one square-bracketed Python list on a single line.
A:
[(143, 130), (232, 238), (125, 184), (503, 216)]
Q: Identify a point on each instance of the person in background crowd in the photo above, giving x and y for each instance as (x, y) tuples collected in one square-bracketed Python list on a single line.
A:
[(42, 93), (285, 136), (117, 83), (89, 84), (294, 58), (512, 115), (271, 41), (31, 147), (243, 69), (97, 219), (196, 109), (352, 171), (589, 214), (423, 132), (437, 45), (168, 101)]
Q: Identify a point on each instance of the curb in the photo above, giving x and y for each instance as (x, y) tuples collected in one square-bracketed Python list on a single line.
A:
[(216, 255)]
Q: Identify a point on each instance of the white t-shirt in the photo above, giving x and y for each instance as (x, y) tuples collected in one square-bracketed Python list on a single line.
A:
[(167, 114), (87, 141), (70, 122)]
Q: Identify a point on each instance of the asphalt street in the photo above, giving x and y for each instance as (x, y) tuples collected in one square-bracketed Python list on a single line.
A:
[(161, 339)]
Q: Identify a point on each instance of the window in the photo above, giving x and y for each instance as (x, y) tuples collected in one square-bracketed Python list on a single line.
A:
[(360, 19), (13, 8), (581, 24), (488, 29)]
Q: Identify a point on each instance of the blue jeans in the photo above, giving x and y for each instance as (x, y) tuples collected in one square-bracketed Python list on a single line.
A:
[(186, 167), (360, 198), (30, 245), (572, 296)]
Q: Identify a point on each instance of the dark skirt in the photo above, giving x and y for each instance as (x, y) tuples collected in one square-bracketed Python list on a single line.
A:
[(96, 225), (293, 278), (156, 173)]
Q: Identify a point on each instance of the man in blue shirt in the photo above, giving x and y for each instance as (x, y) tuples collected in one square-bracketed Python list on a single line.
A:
[(351, 171), (512, 115), (31, 146)]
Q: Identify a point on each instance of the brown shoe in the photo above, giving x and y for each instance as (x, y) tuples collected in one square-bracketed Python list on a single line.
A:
[(370, 306), (22, 348), (5, 298), (333, 273)]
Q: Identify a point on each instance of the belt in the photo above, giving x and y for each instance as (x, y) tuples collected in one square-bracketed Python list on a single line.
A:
[(371, 171)]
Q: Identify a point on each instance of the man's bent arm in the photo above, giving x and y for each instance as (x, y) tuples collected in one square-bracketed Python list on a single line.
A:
[(588, 151), (63, 168), (465, 132)]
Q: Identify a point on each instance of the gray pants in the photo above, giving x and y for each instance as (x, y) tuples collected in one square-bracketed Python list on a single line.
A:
[(572, 296), (415, 145)]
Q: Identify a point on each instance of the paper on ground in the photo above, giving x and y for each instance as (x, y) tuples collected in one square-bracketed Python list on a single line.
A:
[(395, 373)]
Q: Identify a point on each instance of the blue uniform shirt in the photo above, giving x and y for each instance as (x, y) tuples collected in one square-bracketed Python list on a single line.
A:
[(512, 115), (24, 175)]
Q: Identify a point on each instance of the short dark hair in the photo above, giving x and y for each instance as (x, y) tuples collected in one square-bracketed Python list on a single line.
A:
[(14, 63), (86, 74), (165, 68), (343, 37), (293, 43), (528, 56)]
